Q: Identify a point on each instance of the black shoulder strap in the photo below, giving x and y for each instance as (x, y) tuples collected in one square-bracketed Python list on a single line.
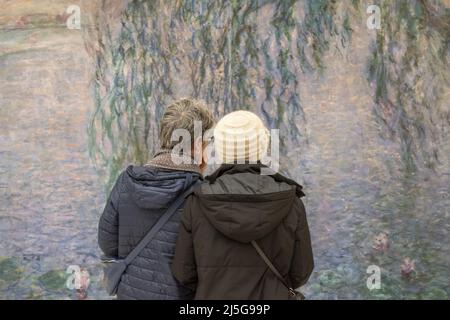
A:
[(272, 267), (160, 223)]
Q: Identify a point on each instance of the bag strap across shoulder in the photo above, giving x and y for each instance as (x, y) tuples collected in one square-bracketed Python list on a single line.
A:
[(161, 222), (272, 268)]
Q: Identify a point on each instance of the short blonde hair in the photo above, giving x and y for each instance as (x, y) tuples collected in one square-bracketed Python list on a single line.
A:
[(181, 114)]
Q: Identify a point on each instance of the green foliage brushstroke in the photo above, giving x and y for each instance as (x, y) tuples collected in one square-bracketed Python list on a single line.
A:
[(249, 55), (219, 47), (409, 72)]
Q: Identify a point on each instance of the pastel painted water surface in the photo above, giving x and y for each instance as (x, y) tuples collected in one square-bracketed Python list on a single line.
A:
[(363, 116)]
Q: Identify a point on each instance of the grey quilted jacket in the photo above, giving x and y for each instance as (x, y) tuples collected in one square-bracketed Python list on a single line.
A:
[(140, 196)]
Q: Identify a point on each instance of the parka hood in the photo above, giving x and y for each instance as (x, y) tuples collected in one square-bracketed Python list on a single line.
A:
[(156, 188), (244, 205)]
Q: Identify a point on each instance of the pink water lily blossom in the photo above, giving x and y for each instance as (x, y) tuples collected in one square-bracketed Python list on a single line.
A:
[(380, 242), (407, 267)]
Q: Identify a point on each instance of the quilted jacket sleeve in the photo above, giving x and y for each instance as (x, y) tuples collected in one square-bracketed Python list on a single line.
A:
[(108, 227), (184, 268), (302, 263)]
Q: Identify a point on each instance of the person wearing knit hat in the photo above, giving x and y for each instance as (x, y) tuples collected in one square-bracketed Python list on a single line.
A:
[(244, 233), (240, 137)]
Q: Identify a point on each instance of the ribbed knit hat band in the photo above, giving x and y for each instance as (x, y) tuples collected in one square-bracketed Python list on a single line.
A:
[(240, 136)]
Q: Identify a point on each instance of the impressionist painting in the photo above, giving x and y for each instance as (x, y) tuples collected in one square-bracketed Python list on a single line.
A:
[(359, 90)]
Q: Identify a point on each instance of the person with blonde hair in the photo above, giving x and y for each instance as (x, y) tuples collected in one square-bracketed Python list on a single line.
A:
[(243, 234), (138, 229)]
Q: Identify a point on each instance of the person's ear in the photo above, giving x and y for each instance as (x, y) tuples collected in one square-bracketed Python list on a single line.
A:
[(198, 150)]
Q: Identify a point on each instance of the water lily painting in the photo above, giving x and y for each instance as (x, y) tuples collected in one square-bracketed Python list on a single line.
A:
[(359, 92)]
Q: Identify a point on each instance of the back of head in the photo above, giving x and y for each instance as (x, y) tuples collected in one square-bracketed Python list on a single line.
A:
[(240, 137), (182, 114)]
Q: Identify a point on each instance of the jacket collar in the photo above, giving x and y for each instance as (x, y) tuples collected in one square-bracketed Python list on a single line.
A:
[(163, 159), (255, 169)]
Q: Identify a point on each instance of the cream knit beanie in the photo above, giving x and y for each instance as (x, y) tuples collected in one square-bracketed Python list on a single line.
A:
[(240, 136)]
